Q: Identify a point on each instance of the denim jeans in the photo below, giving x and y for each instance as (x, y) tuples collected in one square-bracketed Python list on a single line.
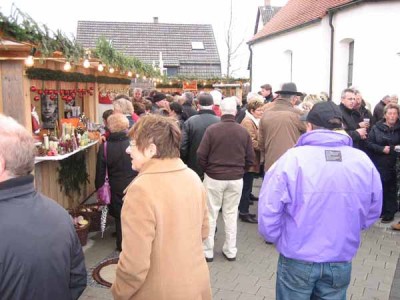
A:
[(303, 280)]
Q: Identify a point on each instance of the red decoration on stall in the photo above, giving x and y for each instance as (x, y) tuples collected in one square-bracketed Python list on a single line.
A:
[(36, 98), (104, 98), (33, 88)]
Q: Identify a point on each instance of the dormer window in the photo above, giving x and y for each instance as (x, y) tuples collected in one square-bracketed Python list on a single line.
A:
[(197, 46)]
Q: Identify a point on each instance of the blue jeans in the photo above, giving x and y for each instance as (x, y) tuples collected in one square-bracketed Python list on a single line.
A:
[(303, 280)]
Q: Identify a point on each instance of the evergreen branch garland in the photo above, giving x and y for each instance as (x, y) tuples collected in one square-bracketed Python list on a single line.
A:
[(72, 174), (55, 75)]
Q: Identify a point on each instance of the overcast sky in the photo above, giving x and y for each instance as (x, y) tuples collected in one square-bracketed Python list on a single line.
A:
[(65, 15)]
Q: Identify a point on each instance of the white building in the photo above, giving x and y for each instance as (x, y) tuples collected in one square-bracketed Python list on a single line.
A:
[(328, 45)]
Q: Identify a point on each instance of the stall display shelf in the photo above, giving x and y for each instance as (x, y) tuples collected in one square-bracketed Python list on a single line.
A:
[(39, 159)]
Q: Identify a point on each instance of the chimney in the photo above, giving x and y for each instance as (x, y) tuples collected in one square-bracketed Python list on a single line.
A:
[(267, 2), (155, 20)]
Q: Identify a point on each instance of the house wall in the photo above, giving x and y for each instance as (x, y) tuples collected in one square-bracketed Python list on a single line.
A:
[(309, 47), (373, 27)]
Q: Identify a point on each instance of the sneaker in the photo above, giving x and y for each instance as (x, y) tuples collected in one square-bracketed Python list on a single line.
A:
[(387, 219)]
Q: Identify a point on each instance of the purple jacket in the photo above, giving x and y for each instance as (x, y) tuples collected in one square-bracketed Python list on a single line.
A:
[(316, 199)]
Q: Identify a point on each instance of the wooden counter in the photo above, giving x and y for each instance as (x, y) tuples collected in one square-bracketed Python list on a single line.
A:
[(46, 177)]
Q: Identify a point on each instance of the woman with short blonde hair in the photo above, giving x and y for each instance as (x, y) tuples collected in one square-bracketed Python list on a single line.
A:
[(117, 162), (117, 122), (124, 107)]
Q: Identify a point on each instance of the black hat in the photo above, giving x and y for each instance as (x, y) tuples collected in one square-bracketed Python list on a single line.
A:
[(289, 88), (322, 112), (205, 99), (158, 97)]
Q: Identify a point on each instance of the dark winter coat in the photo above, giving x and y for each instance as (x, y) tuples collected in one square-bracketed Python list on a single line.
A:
[(359, 116), (350, 124), (380, 136), (188, 111), (40, 254), (192, 134), (241, 114), (378, 111), (119, 165)]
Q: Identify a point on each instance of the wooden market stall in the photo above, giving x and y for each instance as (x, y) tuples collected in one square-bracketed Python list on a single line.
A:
[(23, 90)]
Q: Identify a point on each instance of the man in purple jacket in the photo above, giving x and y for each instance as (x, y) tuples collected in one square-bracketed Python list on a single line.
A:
[(313, 204)]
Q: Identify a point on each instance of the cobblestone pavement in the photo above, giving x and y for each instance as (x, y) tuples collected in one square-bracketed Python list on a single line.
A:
[(253, 274)]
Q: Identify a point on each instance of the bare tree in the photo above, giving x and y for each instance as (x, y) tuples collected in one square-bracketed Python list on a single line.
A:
[(231, 47)]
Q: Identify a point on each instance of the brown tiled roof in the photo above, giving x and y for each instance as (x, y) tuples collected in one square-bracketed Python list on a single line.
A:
[(296, 13)]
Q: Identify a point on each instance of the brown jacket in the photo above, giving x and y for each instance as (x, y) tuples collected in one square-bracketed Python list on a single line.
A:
[(164, 221), (225, 152), (253, 131), (279, 130)]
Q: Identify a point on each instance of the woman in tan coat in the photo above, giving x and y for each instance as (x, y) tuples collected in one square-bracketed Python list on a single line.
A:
[(164, 220), (250, 122)]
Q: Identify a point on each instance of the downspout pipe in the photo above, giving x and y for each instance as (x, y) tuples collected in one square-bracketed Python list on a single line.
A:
[(251, 68), (331, 54)]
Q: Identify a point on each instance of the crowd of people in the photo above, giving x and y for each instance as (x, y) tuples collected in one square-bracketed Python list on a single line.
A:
[(175, 162)]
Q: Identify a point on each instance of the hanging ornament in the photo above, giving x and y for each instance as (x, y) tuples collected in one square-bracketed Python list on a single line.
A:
[(33, 88), (36, 98), (40, 92)]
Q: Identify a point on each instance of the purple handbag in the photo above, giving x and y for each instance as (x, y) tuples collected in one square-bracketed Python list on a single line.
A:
[(104, 192)]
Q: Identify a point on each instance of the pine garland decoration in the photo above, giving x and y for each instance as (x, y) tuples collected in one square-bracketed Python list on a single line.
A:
[(72, 174)]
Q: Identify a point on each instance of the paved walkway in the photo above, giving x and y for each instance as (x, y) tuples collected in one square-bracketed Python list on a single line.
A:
[(252, 275)]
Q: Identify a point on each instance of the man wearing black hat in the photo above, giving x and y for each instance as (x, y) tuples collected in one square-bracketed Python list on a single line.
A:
[(159, 101), (280, 126), (314, 202), (193, 131)]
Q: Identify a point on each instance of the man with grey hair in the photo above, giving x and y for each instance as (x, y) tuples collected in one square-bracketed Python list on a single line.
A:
[(378, 110), (40, 253), (224, 154), (280, 127), (187, 106), (137, 95), (193, 131)]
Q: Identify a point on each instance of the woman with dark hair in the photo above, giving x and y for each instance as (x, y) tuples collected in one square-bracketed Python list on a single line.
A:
[(251, 121), (120, 173), (382, 140), (163, 222), (176, 111)]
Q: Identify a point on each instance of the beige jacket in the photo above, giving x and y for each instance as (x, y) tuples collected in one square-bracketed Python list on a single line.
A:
[(253, 131), (164, 221), (280, 128)]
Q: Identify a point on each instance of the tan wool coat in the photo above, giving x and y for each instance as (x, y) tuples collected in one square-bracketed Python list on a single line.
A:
[(279, 129), (253, 131), (164, 221)]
